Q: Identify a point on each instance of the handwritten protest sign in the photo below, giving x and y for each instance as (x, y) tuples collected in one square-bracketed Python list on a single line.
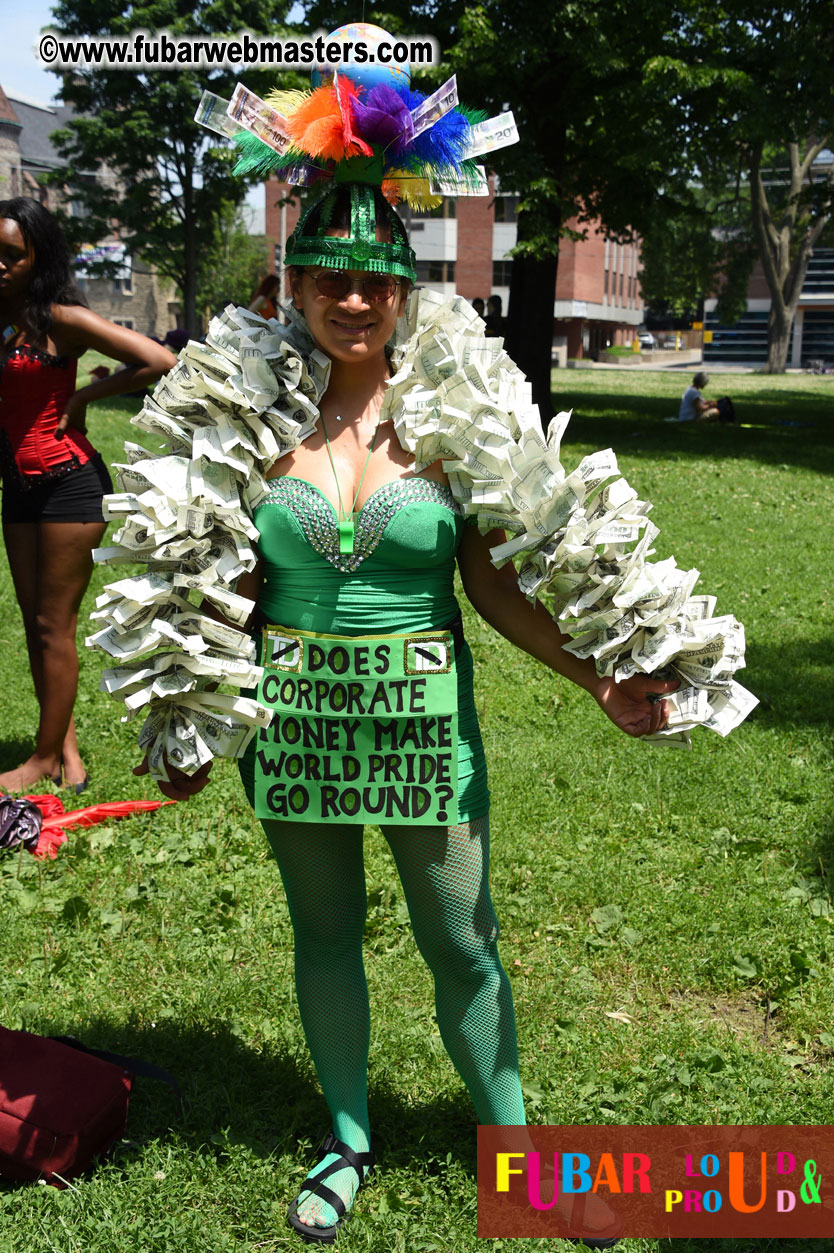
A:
[(364, 729)]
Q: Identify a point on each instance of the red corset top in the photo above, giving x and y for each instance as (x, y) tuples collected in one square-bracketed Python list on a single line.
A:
[(34, 388)]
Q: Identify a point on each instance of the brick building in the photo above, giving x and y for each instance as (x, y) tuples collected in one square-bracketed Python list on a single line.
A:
[(462, 247)]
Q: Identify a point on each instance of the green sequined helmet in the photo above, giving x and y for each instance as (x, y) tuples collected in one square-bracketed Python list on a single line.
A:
[(360, 249)]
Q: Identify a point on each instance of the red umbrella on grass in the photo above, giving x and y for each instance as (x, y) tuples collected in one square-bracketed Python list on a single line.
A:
[(39, 822)]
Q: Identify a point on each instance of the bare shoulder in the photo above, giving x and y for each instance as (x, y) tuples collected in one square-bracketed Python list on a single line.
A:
[(74, 319), (76, 328), (435, 472)]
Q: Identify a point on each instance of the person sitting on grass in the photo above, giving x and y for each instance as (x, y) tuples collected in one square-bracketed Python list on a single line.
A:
[(693, 406)]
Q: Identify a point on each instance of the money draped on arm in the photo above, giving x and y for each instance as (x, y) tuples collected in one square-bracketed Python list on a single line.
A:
[(581, 538), (232, 406), (226, 411)]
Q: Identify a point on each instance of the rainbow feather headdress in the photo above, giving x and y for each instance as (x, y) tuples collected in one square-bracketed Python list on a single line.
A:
[(415, 148)]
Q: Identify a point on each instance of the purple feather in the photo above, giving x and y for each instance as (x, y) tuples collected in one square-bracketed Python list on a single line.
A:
[(383, 118)]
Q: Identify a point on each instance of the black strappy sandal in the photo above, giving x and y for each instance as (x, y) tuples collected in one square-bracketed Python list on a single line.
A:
[(316, 1187)]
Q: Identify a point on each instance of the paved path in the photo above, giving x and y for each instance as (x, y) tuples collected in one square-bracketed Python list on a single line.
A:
[(688, 367)]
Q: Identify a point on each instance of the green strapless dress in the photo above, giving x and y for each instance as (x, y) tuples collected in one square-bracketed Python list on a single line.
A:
[(400, 578)]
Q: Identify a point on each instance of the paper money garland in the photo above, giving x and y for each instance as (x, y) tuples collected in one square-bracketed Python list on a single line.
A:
[(227, 410), (582, 537), (232, 406)]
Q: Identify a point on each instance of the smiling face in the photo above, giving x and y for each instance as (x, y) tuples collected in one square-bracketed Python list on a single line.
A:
[(351, 329), (17, 260)]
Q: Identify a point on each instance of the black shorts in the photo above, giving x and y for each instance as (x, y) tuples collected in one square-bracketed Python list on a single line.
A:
[(72, 497)]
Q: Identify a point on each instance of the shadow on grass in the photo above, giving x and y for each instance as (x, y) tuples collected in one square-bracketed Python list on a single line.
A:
[(794, 682), (635, 425), (13, 752), (234, 1094), (795, 685)]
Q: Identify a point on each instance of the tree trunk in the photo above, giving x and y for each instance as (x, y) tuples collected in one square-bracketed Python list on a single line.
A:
[(778, 337), (785, 249), (529, 337), (189, 286)]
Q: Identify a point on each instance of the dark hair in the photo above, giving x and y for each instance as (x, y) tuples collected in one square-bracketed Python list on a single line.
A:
[(268, 286), (340, 216), (51, 282)]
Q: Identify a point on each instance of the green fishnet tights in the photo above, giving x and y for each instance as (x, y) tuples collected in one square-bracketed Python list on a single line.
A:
[(444, 873)]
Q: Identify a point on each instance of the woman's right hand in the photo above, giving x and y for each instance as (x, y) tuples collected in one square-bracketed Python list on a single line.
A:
[(635, 705), (180, 786), (74, 415)]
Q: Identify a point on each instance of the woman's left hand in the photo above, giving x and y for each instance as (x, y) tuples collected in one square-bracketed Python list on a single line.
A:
[(178, 786), (74, 415), (629, 706)]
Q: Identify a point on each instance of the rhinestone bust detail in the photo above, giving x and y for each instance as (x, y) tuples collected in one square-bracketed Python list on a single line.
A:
[(317, 517)]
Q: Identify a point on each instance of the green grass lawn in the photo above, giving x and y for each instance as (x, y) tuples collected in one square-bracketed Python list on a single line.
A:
[(667, 917)]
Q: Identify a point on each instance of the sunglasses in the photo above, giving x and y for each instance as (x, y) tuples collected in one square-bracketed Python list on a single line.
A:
[(336, 284)]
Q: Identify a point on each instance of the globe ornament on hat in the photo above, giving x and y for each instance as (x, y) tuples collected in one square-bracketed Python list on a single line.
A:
[(367, 74), (362, 126)]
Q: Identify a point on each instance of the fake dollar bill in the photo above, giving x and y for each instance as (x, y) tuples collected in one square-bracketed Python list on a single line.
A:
[(212, 112)]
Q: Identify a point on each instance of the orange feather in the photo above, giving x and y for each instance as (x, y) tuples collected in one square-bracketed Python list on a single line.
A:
[(316, 125), (391, 190)]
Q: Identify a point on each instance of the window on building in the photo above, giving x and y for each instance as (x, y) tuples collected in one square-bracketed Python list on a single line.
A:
[(413, 218), (126, 322), (78, 207), (123, 285), (605, 287), (506, 208), (447, 209), (502, 272), (435, 271)]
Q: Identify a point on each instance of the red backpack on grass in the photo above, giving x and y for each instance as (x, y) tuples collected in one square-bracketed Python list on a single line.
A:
[(61, 1106)]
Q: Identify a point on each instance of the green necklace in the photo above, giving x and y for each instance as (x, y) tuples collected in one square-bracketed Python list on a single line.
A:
[(347, 521)]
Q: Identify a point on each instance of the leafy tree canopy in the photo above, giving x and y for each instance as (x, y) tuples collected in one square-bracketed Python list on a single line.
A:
[(753, 98), (593, 144), (165, 181), (702, 248), (235, 263)]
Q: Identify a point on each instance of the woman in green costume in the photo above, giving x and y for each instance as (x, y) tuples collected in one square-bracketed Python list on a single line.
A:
[(353, 541)]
